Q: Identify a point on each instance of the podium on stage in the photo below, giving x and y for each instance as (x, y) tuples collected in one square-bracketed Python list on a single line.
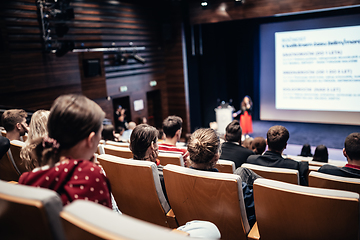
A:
[(223, 118)]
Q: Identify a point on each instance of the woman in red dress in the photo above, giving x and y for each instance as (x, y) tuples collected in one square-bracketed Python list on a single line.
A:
[(245, 115), (67, 153)]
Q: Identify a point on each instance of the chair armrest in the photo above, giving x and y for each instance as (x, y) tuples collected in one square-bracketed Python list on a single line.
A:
[(180, 232), (171, 220), (254, 233)]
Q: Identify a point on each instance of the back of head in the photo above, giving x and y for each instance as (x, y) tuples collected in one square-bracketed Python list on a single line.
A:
[(352, 146), (131, 125), (306, 150), (11, 117), (108, 132), (258, 145), (277, 137), (141, 138), (247, 143), (171, 124), (38, 125), (321, 154), (233, 131), (72, 118), (203, 145)]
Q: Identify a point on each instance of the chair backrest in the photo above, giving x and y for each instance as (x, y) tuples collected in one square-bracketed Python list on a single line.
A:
[(15, 148), (289, 211), (3, 133), (279, 174), (118, 151), (225, 166), (29, 213), (100, 149), (171, 158), (8, 172), (136, 188), (117, 144), (88, 220), (322, 180), (210, 196)]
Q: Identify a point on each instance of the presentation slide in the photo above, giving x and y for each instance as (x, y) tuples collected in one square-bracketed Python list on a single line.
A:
[(318, 69), (310, 70)]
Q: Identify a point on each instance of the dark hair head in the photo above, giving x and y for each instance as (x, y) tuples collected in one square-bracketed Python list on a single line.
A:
[(141, 138), (306, 150), (352, 146), (277, 138), (171, 124), (72, 118), (203, 145), (11, 117), (108, 132), (258, 145), (321, 154), (233, 131), (243, 104)]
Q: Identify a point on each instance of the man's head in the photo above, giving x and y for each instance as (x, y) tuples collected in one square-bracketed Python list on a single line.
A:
[(132, 125), (233, 132), (258, 145), (172, 126), (352, 147), (277, 138), (14, 121)]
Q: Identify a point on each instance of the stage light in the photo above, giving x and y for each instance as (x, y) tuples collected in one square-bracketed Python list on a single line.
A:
[(239, 2), (204, 3), (139, 59)]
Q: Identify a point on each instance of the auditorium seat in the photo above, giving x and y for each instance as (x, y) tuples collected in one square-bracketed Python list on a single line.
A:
[(118, 151), (322, 180), (137, 189), (288, 211), (280, 174), (15, 148), (225, 166), (3, 133), (29, 213), (117, 144), (210, 196), (88, 220), (171, 158), (8, 172)]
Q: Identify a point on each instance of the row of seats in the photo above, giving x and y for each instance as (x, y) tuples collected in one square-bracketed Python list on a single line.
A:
[(11, 165)]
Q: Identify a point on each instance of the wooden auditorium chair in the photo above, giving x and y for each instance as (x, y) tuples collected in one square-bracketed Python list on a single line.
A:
[(118, 151), (210, 196), (3, 133), (137, 189), (225, 166), (8, 169), (279, 174), (88, 220), (29, 213), (15, 148), (288, 211), (171, 158), (322, 180), (117, 144)]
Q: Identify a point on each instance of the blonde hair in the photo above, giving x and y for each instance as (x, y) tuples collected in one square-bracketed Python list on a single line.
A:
[(203, 146), (37, 129)]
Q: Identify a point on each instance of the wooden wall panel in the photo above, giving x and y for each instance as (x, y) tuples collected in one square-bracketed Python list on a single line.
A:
[(228, 10)]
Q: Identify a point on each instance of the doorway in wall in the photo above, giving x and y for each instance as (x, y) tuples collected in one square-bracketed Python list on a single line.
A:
[(154, 108), (124, 102)]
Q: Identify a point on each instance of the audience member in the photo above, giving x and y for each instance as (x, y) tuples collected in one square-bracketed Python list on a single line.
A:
[(258, 145), (14, 122), (108, 132), (321, 154), (203, 148), (37, 129), (127, 133), (161, 136), (4, 146), (352, 154), (232, 149), (277, 137), (306, 151), (66, 155), (247, 143), (172, 127)]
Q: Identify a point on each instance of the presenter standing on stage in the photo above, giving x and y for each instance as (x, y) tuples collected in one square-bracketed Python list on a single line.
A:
[(245, 115)]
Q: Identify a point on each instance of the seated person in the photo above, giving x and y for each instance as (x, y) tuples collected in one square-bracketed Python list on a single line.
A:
[(14, 122), (172, 127), (232, 149), (306, 151), (247, 143), (352, 154), (203, 148), (37, 129), (258, 145), (127, 133), (4, 146), (66, 155), (321, 154), (277, 137), (108, 133)]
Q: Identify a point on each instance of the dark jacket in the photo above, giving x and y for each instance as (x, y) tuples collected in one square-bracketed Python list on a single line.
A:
[(234, 152), (340, 171)]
